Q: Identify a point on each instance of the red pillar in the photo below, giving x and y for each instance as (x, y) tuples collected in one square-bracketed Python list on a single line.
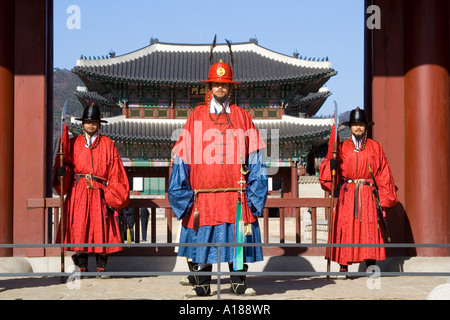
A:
[(427, 123), (125, 109), (294, 180), (30, 102), (6, 123), (294, 185), (384, 104)]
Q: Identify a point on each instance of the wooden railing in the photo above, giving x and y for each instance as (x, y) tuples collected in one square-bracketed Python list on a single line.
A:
[(288, 208)]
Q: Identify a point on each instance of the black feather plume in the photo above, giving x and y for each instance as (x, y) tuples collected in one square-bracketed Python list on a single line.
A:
[(212, 48), (231, 53)]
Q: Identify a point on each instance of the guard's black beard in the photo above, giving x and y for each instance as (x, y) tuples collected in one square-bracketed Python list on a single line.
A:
[(221, 100), (359, 137)]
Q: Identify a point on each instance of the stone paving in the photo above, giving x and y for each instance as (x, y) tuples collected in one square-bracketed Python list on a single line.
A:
[(266, 287)]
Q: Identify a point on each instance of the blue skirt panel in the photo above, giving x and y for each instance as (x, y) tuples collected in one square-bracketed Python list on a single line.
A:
[(223, 233)]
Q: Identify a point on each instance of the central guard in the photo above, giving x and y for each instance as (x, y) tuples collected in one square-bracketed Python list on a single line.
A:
[(218, 186)]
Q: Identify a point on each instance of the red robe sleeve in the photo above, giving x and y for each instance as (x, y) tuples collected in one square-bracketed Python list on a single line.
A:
[(385, 183), (117, 192)]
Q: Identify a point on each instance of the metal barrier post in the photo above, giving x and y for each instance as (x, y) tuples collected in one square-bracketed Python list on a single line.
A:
[(219, 261)]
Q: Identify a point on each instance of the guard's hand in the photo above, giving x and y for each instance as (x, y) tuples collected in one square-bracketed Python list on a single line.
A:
[(61, 171), (334, 164)]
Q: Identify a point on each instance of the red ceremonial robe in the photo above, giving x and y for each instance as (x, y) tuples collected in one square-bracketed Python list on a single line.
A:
[(210, 147), (86, 218), (358, 226)]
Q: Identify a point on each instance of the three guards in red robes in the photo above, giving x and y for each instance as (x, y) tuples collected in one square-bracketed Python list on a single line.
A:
[(96, 185), (355, 216)]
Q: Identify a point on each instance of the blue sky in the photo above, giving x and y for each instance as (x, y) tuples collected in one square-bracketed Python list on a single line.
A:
[(313, 28)]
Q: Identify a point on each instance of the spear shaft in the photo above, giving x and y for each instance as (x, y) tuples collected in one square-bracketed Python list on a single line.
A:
[(61, 184), (333, 186)]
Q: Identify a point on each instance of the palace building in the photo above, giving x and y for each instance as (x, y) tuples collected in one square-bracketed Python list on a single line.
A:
[(148, 94)]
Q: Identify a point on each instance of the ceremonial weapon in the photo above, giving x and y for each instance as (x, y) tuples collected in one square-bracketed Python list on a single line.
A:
[(380, 217), (61, 182), (125, 222), (239, 235), (333, 185)]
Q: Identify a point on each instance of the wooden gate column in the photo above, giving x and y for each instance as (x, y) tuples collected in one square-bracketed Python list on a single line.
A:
[(31, 56), (6, 123), (427, 123)]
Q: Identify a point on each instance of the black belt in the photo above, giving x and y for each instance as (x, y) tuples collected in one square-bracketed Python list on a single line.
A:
[(90, 177), (360, 181)]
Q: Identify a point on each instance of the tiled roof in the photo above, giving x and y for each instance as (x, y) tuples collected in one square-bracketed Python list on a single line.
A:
[(93, 96), (188, 64), (293, 128), (313, 96), (309, 104)]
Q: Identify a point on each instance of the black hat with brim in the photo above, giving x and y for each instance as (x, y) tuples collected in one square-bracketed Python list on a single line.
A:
[(357, 115), (92, 112)]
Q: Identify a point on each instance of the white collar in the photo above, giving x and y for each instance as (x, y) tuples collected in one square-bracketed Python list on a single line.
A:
[(216, 107), (91, 140)]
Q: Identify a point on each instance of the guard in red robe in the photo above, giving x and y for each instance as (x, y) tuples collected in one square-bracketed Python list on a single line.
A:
[(355, 216), (97, 187), (219, 172)]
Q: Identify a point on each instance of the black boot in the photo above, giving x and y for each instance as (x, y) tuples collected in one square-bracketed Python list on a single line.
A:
[(238, 285), (101, 260), (189, 280), (81, 261), (344, 269), (202, 285), (369, 263)]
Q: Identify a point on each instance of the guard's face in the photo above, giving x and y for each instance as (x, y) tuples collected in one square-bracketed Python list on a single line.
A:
[(91, 126), (358, 129), (220, 90)]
